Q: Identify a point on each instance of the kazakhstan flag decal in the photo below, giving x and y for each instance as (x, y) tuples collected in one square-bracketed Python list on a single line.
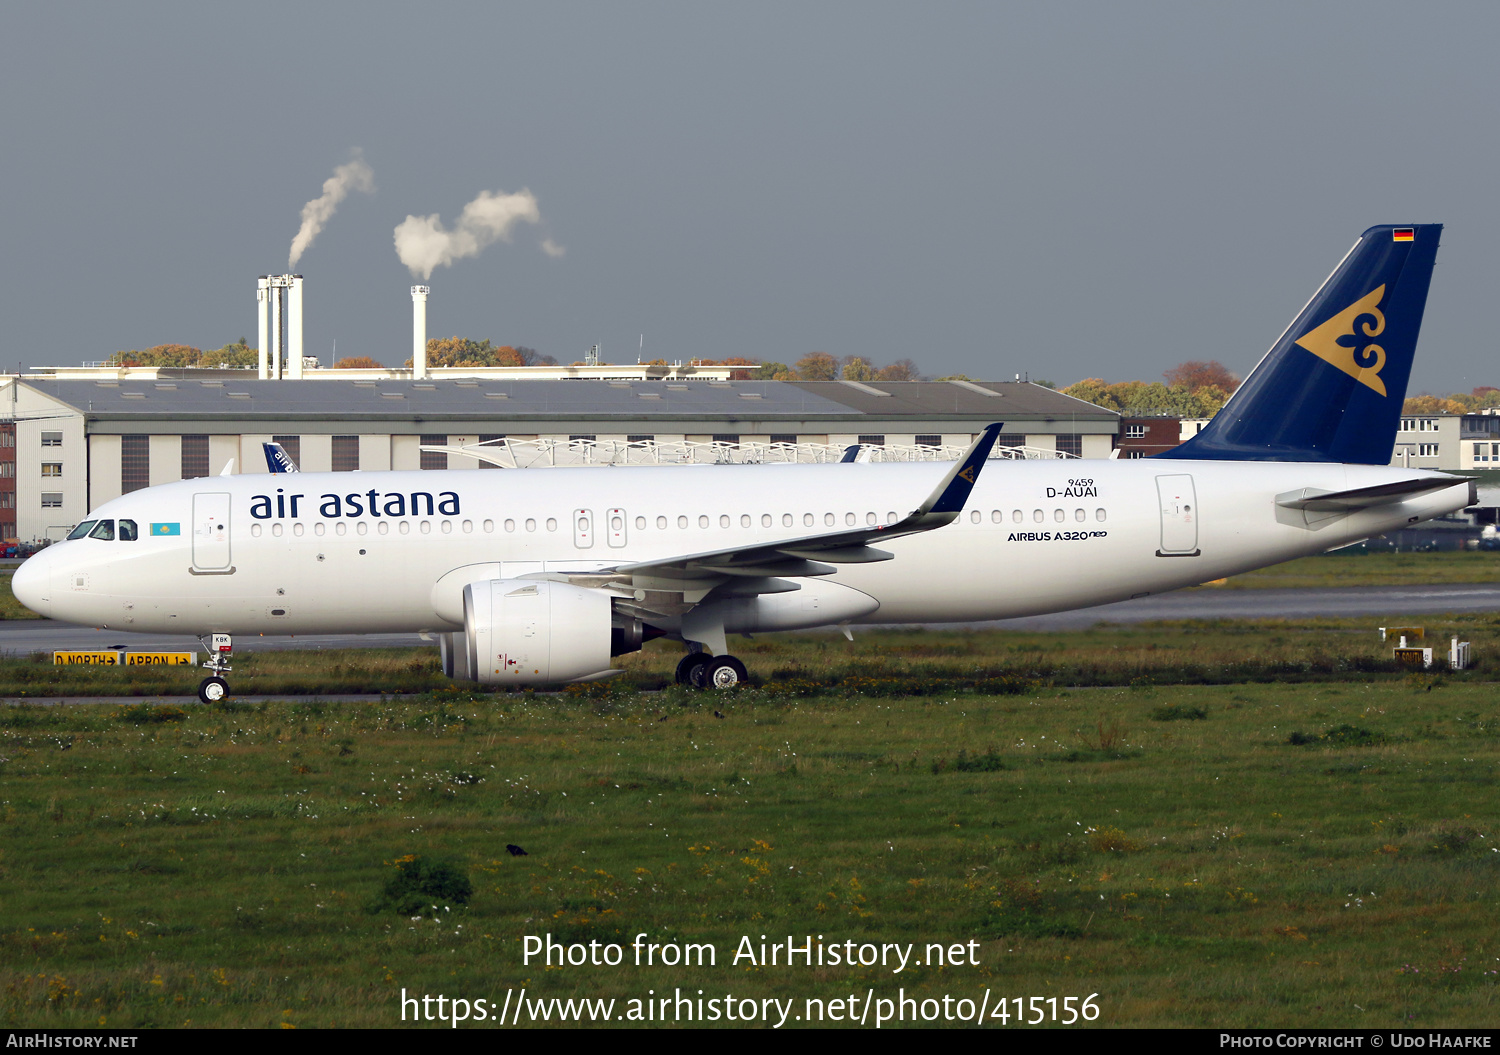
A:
[(166, 529)]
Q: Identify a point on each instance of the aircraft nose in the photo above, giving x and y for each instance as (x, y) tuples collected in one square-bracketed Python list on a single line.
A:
[(32, 583)]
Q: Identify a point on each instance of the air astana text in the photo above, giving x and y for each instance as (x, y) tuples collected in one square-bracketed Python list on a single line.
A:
[(369, 503)]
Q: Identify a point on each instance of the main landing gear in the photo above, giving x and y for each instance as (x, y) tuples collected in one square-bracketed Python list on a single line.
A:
[(702, 671), (213, 689)]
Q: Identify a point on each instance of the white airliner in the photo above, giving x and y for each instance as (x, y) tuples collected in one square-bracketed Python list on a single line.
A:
[(537, 576)]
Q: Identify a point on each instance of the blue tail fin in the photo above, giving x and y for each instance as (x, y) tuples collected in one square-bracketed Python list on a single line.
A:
[(277, 459), (1331, 389)]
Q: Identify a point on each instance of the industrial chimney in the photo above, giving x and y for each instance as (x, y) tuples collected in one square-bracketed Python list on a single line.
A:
[(262, 331), (419, 331), (279, 296)]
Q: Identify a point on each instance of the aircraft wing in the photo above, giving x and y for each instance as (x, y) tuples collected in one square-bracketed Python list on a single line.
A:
[(816, 554)]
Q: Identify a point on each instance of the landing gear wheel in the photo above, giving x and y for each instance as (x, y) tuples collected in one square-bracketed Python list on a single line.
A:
[(690, 670), (725, 672), (213, 690)]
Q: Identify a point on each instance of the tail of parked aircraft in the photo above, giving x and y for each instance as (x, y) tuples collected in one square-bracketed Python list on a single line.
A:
[(277, 459), (1331, 389)]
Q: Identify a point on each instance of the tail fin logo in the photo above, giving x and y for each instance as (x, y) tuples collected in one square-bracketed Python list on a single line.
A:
[(1345, 341)]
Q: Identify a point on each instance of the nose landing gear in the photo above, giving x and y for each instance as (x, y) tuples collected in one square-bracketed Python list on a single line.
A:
[(214, 688)]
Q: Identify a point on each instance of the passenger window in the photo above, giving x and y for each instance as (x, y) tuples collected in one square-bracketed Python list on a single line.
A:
[(105, 530), (976, 516), (83, 529), (1099, 515)]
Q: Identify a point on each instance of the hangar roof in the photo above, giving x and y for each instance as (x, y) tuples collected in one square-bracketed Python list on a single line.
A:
[(186, 399)]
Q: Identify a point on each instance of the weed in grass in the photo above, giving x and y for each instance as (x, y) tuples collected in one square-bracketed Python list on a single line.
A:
[(963, 762), (1110, 840), (1178, 712), (139, 713), (1339, 736), (421, 885), (1107, 736)]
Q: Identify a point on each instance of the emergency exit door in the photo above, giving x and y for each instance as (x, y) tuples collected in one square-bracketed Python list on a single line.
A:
[(1179, 516)]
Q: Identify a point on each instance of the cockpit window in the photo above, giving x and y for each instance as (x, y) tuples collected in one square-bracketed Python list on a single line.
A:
[(82, 529), (105, 530), (127, 531)]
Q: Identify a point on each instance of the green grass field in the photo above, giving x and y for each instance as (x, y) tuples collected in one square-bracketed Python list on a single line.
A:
[(895, 662), (1169, 848), (1374, 569)]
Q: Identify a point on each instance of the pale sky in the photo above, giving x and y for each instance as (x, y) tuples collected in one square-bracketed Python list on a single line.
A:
[(1064, 190)]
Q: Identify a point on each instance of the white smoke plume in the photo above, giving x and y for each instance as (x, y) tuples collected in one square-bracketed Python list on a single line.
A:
[(352, 175), (423, 243)]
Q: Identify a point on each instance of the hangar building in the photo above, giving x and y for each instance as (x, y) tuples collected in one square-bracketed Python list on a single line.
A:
[(68, 445)]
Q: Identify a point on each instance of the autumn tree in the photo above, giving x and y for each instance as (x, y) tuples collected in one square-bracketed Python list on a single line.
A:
[(462, 351), (238, 355), (358, 362), (856, 368), (900, 370), (818, 366), (1432, 405), (169, 355), (1195, 374)]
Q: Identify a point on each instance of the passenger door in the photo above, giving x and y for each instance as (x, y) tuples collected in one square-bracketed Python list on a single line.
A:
[(211, 532)]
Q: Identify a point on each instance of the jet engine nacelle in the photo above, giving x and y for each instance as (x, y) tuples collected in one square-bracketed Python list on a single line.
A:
[(533, 632)]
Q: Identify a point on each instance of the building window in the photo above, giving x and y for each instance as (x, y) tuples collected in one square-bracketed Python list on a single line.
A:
[(1135, 432), (293, 447), (135, 463), (51, 499), (7, 435), (640, 437), (1135, 454), (1010, 439), (434, 459), (7, 470), (929, 440), (727, 438), (194, 457), (345, 454), (8, 500), (1427, 450), (1070, 443), (1427, 425), (1408, 424), (52, 439), (874, 439), (52, 468)]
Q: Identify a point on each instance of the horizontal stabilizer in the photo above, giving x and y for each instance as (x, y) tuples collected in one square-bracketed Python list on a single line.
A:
[(1318, 500)]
